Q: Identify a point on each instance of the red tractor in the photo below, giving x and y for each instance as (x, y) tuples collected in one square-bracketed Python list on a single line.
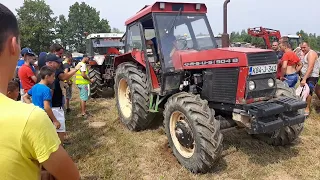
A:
[(203, 90), (274, 35)]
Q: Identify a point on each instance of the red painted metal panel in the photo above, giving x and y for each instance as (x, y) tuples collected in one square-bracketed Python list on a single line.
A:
[(188, 8), (241, 90)]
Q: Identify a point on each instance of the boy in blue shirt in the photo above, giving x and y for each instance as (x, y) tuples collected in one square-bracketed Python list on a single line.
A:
[(40, 94)]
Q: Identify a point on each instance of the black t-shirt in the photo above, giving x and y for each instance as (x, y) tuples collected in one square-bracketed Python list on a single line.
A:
[(66, 66), (41, 62), (57, 92)]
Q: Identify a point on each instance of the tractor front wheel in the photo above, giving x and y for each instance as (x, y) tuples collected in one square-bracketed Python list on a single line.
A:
[(97, 86), (285, 135), (193, 133), (132, 96)]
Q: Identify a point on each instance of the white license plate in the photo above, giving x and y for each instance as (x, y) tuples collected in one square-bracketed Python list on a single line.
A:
[(263, 69)]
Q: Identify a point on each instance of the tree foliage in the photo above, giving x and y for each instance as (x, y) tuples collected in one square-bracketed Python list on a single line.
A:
[(84, 18), (243, 36), (36, 23)]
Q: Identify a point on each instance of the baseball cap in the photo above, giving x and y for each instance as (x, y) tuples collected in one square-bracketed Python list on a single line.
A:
[(53, 57), (27, 51), (303, 92)]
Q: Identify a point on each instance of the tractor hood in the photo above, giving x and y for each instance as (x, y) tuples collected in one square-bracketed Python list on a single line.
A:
[(220, 57)]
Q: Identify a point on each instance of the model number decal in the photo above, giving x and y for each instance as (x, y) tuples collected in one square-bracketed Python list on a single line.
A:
[(210, 62)]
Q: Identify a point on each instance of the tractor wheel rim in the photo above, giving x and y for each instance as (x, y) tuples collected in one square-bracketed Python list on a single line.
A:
[(176, 118), (124, 98)]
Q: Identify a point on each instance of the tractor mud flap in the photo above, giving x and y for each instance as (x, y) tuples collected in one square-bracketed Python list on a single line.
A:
[(272, 115)]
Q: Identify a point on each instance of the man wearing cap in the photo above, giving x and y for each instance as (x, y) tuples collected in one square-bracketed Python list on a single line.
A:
[(26, 71), (55, 62)]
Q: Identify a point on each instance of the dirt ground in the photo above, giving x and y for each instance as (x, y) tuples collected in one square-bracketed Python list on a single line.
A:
[(104, 149)]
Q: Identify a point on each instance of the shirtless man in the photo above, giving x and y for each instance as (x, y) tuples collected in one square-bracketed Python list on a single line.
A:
[(310, 71), (290, 65)]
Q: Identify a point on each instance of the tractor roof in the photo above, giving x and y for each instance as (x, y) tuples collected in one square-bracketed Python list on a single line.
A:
[(105, 35), (292, 36), (168, 7)]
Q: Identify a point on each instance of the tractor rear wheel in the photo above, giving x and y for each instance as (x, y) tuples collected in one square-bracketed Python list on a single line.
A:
[(97, 86), (193, 133), (132, 96), (287, 134)]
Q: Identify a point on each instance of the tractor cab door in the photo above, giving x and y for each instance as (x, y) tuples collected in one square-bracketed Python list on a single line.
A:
[(135, 42)]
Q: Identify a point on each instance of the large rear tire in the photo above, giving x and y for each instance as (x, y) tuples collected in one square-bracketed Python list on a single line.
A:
[(287, 134), (132, 96), (96, 88), (193, 132)]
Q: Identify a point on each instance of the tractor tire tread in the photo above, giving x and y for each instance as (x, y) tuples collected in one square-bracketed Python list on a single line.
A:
[(140, 96), (207, 131)]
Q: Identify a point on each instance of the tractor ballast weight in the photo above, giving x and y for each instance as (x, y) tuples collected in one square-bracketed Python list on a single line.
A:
[(102, 48), (203, 90)]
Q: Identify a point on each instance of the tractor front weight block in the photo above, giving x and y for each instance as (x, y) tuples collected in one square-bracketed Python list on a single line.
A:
[(272, 115)]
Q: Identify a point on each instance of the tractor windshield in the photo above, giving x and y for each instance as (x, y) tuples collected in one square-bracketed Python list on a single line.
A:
[(100, 46), (183, 32)]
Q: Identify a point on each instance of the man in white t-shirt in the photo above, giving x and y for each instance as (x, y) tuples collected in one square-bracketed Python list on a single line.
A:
[(83, 83)]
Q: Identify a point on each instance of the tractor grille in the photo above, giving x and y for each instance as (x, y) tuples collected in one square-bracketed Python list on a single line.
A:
[(262, 89), (220, 85), (262, 58)]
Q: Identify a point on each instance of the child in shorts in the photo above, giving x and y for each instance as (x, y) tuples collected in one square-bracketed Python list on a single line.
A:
[(13, 90), (40, 94)]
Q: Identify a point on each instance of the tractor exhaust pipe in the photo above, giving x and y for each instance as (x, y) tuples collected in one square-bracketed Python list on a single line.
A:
[(225, 35)]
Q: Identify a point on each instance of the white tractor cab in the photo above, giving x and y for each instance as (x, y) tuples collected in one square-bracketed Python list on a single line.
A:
[(218, 40), (102, 48), (294, 41), (99, 44)]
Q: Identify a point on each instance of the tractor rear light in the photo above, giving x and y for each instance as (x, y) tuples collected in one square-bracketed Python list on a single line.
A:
[(252, 85), (162, 5), (270, 82), (198, 6)]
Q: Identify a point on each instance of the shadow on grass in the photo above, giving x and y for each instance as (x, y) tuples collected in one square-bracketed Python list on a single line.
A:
[(258, 151)]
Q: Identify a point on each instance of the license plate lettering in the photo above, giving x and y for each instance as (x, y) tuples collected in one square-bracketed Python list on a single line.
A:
[(263, 69)]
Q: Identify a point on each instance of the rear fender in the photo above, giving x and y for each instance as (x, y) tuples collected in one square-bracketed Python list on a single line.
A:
[(134, 56)]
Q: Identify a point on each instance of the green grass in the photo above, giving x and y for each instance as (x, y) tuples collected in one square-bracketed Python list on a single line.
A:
[(113, 152)]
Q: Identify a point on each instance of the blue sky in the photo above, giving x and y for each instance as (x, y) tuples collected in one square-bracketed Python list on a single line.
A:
[(288, 16)]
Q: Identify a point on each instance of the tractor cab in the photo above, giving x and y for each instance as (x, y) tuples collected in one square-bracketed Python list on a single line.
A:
[(157, 34), (102, 44)]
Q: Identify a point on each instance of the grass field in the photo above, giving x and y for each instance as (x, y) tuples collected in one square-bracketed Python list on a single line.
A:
[(104, 149)]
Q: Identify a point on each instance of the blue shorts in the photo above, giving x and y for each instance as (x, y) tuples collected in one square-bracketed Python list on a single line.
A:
[(291, 79), (84, 91)]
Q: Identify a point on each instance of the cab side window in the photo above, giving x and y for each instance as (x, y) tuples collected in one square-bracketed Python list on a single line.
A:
[(134, 38)]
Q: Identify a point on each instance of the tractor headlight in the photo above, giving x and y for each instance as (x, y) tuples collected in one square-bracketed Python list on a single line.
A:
[(270, 82), (252, 85)]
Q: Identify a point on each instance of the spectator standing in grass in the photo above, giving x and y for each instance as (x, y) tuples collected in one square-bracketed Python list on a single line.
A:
[(69, 82), (310, 71), (55, 62), (41, 94), (26, 72), (290, 65), (83, 81), (28, 138), (13, 90)]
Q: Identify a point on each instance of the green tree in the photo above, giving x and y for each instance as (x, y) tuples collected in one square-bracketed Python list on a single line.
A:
[(116, 30), (84, 18), (62, 30), (36, 23)]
